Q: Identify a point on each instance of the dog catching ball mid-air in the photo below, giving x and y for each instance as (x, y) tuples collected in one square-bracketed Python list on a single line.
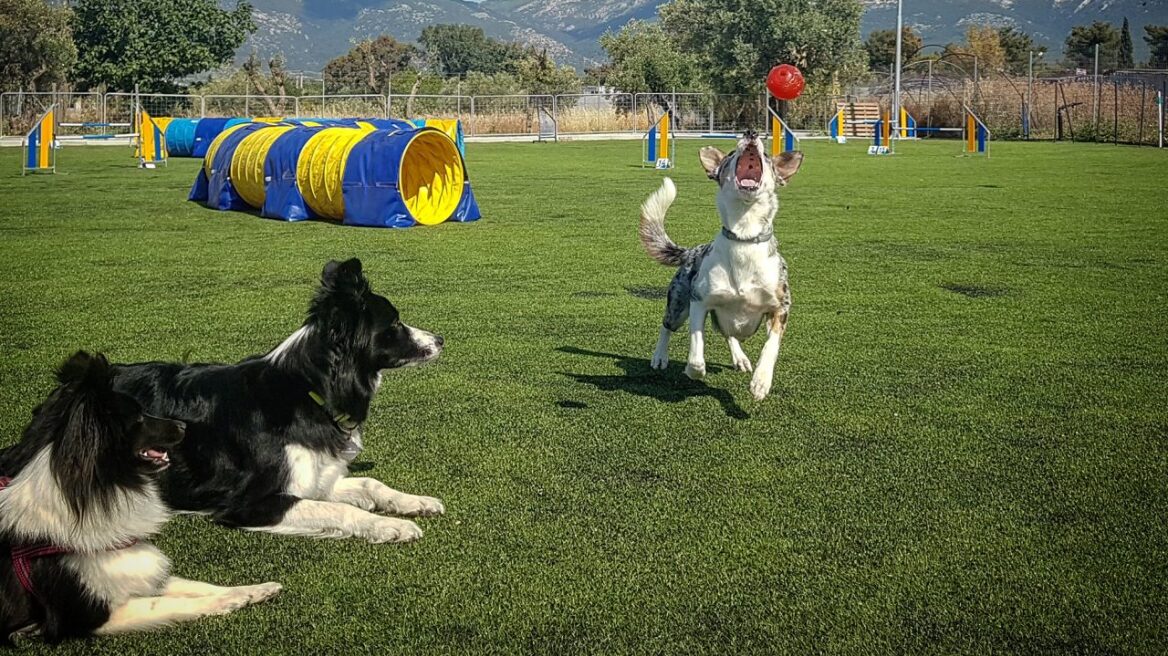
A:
[(739, 277)]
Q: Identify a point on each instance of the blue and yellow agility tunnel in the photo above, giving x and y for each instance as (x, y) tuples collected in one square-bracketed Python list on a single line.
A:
[(378, 173), (191, 137)]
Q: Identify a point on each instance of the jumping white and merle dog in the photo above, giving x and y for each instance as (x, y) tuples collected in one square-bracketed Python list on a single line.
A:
[(740, 276), (78, 499), (269, 440)]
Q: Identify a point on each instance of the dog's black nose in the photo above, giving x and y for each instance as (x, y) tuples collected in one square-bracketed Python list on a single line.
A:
[(180, 425), (438, 339)]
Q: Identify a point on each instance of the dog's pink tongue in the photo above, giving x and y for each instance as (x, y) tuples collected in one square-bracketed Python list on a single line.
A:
[(155, 454)]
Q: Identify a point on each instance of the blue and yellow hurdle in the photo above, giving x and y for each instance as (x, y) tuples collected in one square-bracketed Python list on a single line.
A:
[(656, 144), (40, 153), (977, 135), (151, 148)]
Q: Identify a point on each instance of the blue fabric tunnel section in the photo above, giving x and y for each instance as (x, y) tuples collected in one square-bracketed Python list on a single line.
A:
[(367, 201), (180, 137), (282, 199), (370, 200), (205, 132), (221, 195)]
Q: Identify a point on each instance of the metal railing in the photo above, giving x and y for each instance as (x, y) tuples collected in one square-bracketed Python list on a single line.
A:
[(1117, 109)]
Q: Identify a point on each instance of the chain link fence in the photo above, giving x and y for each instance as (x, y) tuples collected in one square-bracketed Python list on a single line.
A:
[(1121, 108)]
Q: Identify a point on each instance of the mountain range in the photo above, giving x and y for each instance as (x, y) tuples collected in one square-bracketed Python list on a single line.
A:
[(311, 32)]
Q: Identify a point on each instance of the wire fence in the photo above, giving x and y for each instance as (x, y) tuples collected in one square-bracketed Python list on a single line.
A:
[(1121, 108)]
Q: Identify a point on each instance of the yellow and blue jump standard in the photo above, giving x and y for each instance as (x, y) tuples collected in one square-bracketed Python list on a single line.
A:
[(655, 145), (976, 134), (908, 125), (783, 138), (40, 144), (882, 142), (151, 142), (837, 126)]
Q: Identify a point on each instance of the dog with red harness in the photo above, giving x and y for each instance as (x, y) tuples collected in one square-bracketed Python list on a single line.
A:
[(79, 496)]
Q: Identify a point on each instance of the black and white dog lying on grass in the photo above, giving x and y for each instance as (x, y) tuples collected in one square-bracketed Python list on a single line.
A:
[(78, 499), (269, 440), (739, 277)]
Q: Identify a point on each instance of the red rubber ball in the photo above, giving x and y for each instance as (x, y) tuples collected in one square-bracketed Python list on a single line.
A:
[(785, 82)]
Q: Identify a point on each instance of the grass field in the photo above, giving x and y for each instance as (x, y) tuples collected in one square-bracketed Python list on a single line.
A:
[(966, 449)]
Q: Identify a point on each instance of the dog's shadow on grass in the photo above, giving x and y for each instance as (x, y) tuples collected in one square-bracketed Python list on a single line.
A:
[(669, 386)]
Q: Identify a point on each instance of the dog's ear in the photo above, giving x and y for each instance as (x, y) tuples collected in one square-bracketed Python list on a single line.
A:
[(84, 367), (338, 274), (787, 165), (711, 158)]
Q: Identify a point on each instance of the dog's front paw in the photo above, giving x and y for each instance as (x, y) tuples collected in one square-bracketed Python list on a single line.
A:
[(261, 592), (388, 529), (741, 362), (417, 506), (231, 602), (696, 371), (760, 386), (659, 361)]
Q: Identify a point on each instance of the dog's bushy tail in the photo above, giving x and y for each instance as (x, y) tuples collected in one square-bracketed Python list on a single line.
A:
[(658, 244)]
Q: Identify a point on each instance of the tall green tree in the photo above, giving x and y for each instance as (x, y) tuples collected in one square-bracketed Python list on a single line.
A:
[(538, 73), (369, 66), (881, 48), (1079, 48), (1156, 36), (155, 43), (1126, 57), (736, 43), (36, 44), (643, 58), (455, 50), (1017, 46)]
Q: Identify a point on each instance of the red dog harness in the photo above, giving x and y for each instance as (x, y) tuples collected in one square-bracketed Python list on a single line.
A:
[(22, 556)]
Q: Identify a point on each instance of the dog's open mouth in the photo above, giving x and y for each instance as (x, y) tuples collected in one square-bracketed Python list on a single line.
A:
[(748, 170), (156, 456)]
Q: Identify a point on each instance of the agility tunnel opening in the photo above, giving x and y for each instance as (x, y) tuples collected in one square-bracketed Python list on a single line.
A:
[(364, 174), (431, 177)]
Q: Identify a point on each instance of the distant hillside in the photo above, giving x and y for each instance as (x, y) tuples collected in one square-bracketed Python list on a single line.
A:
[(311, 32)]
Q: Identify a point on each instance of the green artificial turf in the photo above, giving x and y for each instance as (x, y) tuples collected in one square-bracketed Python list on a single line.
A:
[(964, 451)]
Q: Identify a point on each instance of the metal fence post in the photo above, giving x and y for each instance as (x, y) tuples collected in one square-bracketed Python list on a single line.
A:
[(1115, 112), (1163, 92)]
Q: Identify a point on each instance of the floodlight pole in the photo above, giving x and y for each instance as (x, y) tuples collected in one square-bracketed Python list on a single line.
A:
[(896, 94)]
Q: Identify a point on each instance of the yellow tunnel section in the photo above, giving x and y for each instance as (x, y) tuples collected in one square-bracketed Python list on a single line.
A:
[(214, 147), (321, 168), (247, 164), (431, 177)]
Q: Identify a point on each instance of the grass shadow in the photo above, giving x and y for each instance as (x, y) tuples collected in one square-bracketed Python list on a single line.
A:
[(670, 386)]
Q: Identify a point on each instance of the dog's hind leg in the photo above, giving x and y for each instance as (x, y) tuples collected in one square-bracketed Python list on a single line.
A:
[(695, 366), (661, 353), (741, 360), (329, 519), (371, 494), (676, 312)]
